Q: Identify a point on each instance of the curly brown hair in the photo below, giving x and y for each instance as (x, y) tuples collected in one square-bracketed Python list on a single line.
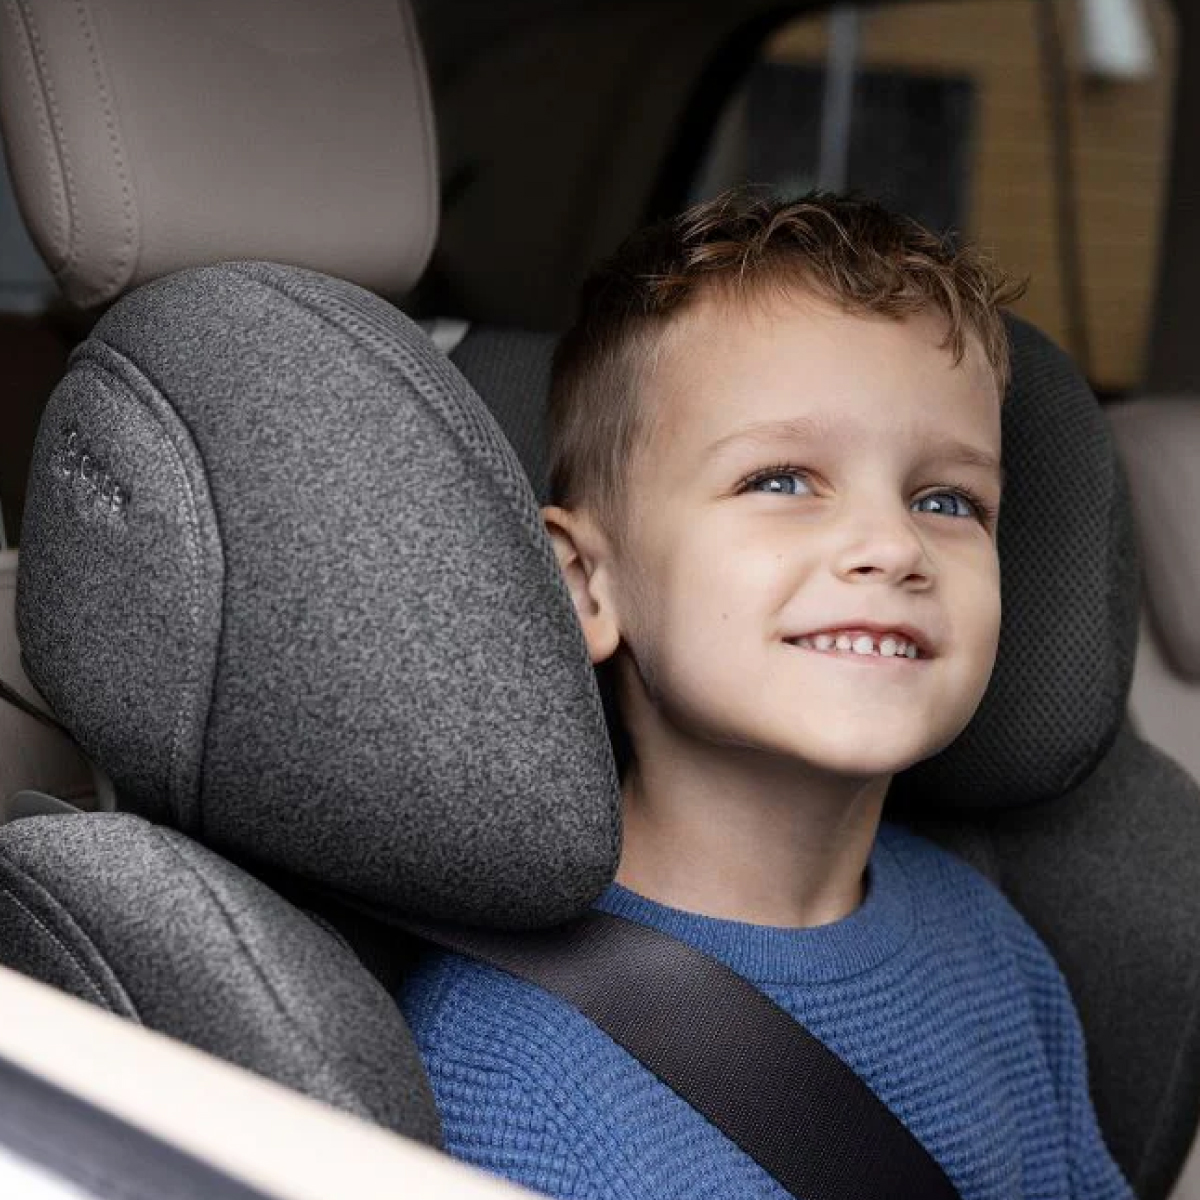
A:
[(746, 244)]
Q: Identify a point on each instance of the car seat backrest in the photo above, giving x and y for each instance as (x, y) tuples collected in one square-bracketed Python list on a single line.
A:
[(510, 369), (1159, 443), (145, 138)]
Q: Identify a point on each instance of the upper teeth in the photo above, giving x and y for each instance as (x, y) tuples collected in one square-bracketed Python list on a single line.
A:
[(889, 646)]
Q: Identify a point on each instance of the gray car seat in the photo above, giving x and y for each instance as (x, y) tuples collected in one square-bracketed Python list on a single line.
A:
[(301, 605), (309, 624)]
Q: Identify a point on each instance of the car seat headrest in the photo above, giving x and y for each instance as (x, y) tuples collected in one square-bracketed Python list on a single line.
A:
[(286, 582), (1069, 585), (144, 138), (1159, 440)]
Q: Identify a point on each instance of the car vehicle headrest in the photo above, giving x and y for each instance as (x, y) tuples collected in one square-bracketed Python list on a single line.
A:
[(1158, 439), (286, 582), (142, 139)]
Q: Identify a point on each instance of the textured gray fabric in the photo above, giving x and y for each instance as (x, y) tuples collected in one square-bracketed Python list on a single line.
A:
[(1070, 590), (510, 369), (1109, 877), (141, 597), (321, 626), (146, 923), (1069, 577)]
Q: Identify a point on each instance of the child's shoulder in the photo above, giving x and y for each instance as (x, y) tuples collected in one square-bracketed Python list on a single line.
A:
[(526, 1085), (448, 994), (938, 874), (464, 1012), (953, 893)]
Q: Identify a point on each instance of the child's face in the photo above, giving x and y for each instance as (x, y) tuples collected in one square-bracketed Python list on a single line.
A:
[(806, 479)]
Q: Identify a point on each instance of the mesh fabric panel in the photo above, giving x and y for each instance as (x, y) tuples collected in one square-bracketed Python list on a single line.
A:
[(510, 369)]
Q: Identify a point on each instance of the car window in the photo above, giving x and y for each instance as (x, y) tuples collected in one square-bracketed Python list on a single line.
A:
[(1011, 122)]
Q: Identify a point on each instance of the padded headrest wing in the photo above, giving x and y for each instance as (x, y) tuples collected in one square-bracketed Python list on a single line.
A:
[(144, 138), (1069, 581), (286, 582)]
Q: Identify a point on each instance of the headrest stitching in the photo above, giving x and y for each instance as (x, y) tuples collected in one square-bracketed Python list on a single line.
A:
[(65, 204), (101, 995), (187, 809), (123, 266)]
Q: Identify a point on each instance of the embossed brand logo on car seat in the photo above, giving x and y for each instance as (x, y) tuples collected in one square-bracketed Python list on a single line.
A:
[(91, 477)]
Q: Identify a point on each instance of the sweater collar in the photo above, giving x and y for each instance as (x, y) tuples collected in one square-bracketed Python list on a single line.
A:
[(875, 931)]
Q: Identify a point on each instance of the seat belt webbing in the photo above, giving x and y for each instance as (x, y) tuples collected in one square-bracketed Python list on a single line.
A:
[(731, 1052)]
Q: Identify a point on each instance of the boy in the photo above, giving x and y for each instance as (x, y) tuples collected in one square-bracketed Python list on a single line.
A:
[(775, 448)]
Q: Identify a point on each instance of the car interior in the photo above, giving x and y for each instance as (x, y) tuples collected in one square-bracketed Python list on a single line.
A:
[(97, 1106), (322, 680)]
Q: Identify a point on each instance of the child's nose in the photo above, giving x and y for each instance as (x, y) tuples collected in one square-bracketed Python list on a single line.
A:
[(884, 548)]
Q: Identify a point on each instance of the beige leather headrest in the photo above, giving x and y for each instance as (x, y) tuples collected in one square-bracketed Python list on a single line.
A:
[(147, 137), (1159, 444)]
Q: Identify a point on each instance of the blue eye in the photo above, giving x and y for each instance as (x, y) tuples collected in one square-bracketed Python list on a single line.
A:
[(949, 504), (779, 482)]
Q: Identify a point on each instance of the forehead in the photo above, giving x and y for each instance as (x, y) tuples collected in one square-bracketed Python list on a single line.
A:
[(727, 368)]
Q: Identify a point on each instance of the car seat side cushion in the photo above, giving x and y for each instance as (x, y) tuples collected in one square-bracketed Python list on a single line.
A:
[(41, 938), (148, 924)]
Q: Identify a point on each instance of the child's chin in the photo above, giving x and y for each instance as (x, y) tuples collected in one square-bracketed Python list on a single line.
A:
[(867, 759)]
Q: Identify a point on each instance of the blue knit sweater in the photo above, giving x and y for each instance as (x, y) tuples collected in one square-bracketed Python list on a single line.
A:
[(935, 991)]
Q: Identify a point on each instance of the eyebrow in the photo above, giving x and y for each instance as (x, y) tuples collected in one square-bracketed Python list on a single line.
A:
[(947, 449), (793, 429)]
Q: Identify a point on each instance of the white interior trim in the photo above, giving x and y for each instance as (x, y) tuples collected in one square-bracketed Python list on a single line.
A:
[(266, 1135)]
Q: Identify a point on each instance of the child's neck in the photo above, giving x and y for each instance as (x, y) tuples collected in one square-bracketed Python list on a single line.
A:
[(728, 835)]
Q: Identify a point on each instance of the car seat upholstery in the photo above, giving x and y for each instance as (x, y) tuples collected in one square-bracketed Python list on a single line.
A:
[(510, 369), (1158, 440)]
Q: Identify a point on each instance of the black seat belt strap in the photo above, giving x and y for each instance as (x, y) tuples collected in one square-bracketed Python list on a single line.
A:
[(731, 1052)]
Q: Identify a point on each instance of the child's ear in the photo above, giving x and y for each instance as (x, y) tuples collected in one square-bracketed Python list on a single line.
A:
[(585, 559)]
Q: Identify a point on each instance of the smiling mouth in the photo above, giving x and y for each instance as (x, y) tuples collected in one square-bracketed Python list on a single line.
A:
[(861, 644)]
